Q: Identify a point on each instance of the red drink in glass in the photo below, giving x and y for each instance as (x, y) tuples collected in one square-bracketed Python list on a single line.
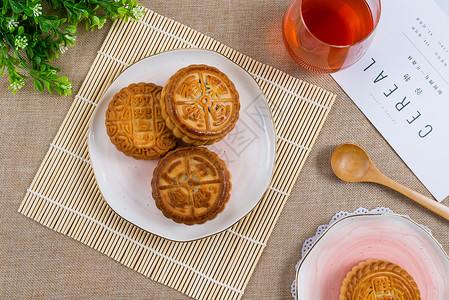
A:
[(328, 35)]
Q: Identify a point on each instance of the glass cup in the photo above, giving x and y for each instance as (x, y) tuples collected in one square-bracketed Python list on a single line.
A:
[(325, 36)]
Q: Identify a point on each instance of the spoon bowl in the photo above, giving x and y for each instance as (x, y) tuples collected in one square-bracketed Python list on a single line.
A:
[(352, 164)]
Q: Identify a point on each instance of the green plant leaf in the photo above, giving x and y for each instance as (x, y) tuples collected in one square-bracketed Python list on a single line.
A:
[(45, 26), (122, 11), (16, 6), (38, 85), (95, 20), (49, 87), (70, 29)]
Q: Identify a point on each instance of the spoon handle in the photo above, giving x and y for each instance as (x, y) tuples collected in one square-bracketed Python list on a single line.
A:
[(428, 203)]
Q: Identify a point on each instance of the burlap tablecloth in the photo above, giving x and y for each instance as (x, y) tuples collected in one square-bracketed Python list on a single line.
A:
[(39, 263)]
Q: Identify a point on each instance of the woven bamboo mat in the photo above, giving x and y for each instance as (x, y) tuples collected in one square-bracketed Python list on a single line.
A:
[(64, 195)]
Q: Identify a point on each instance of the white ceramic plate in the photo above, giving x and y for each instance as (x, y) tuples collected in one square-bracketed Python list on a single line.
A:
[(248, 150), (360, 237)]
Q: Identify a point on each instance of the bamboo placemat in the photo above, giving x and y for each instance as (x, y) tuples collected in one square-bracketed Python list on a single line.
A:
[(64, 195)]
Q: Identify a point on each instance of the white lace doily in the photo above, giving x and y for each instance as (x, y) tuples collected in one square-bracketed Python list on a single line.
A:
[(322, 228)]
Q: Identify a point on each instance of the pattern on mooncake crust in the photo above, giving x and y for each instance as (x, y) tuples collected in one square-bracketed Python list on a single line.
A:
[(134, 122), (200, 104), (377, 279), (191, 185)]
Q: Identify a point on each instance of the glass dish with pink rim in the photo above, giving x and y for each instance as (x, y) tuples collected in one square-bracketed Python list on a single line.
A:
[(350, 238)]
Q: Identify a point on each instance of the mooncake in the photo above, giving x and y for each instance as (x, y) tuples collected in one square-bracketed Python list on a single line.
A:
[(200, 104), (378, 279), (191, 185), (134, 122)]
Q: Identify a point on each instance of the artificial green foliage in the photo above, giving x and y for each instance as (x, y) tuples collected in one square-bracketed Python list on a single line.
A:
[(35, 32)]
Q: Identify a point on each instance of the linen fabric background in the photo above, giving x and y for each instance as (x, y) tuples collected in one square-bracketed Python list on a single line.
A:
[(39, 263)]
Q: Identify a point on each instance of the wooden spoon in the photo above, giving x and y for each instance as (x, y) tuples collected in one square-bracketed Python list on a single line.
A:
[(352, 164)]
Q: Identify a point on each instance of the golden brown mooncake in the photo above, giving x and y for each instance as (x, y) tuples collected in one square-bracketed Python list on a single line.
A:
[(377, 279), (200, 104), (134, 122), (191, 185)]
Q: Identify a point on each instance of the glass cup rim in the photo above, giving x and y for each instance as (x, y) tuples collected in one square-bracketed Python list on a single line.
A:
[(376, 23)]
